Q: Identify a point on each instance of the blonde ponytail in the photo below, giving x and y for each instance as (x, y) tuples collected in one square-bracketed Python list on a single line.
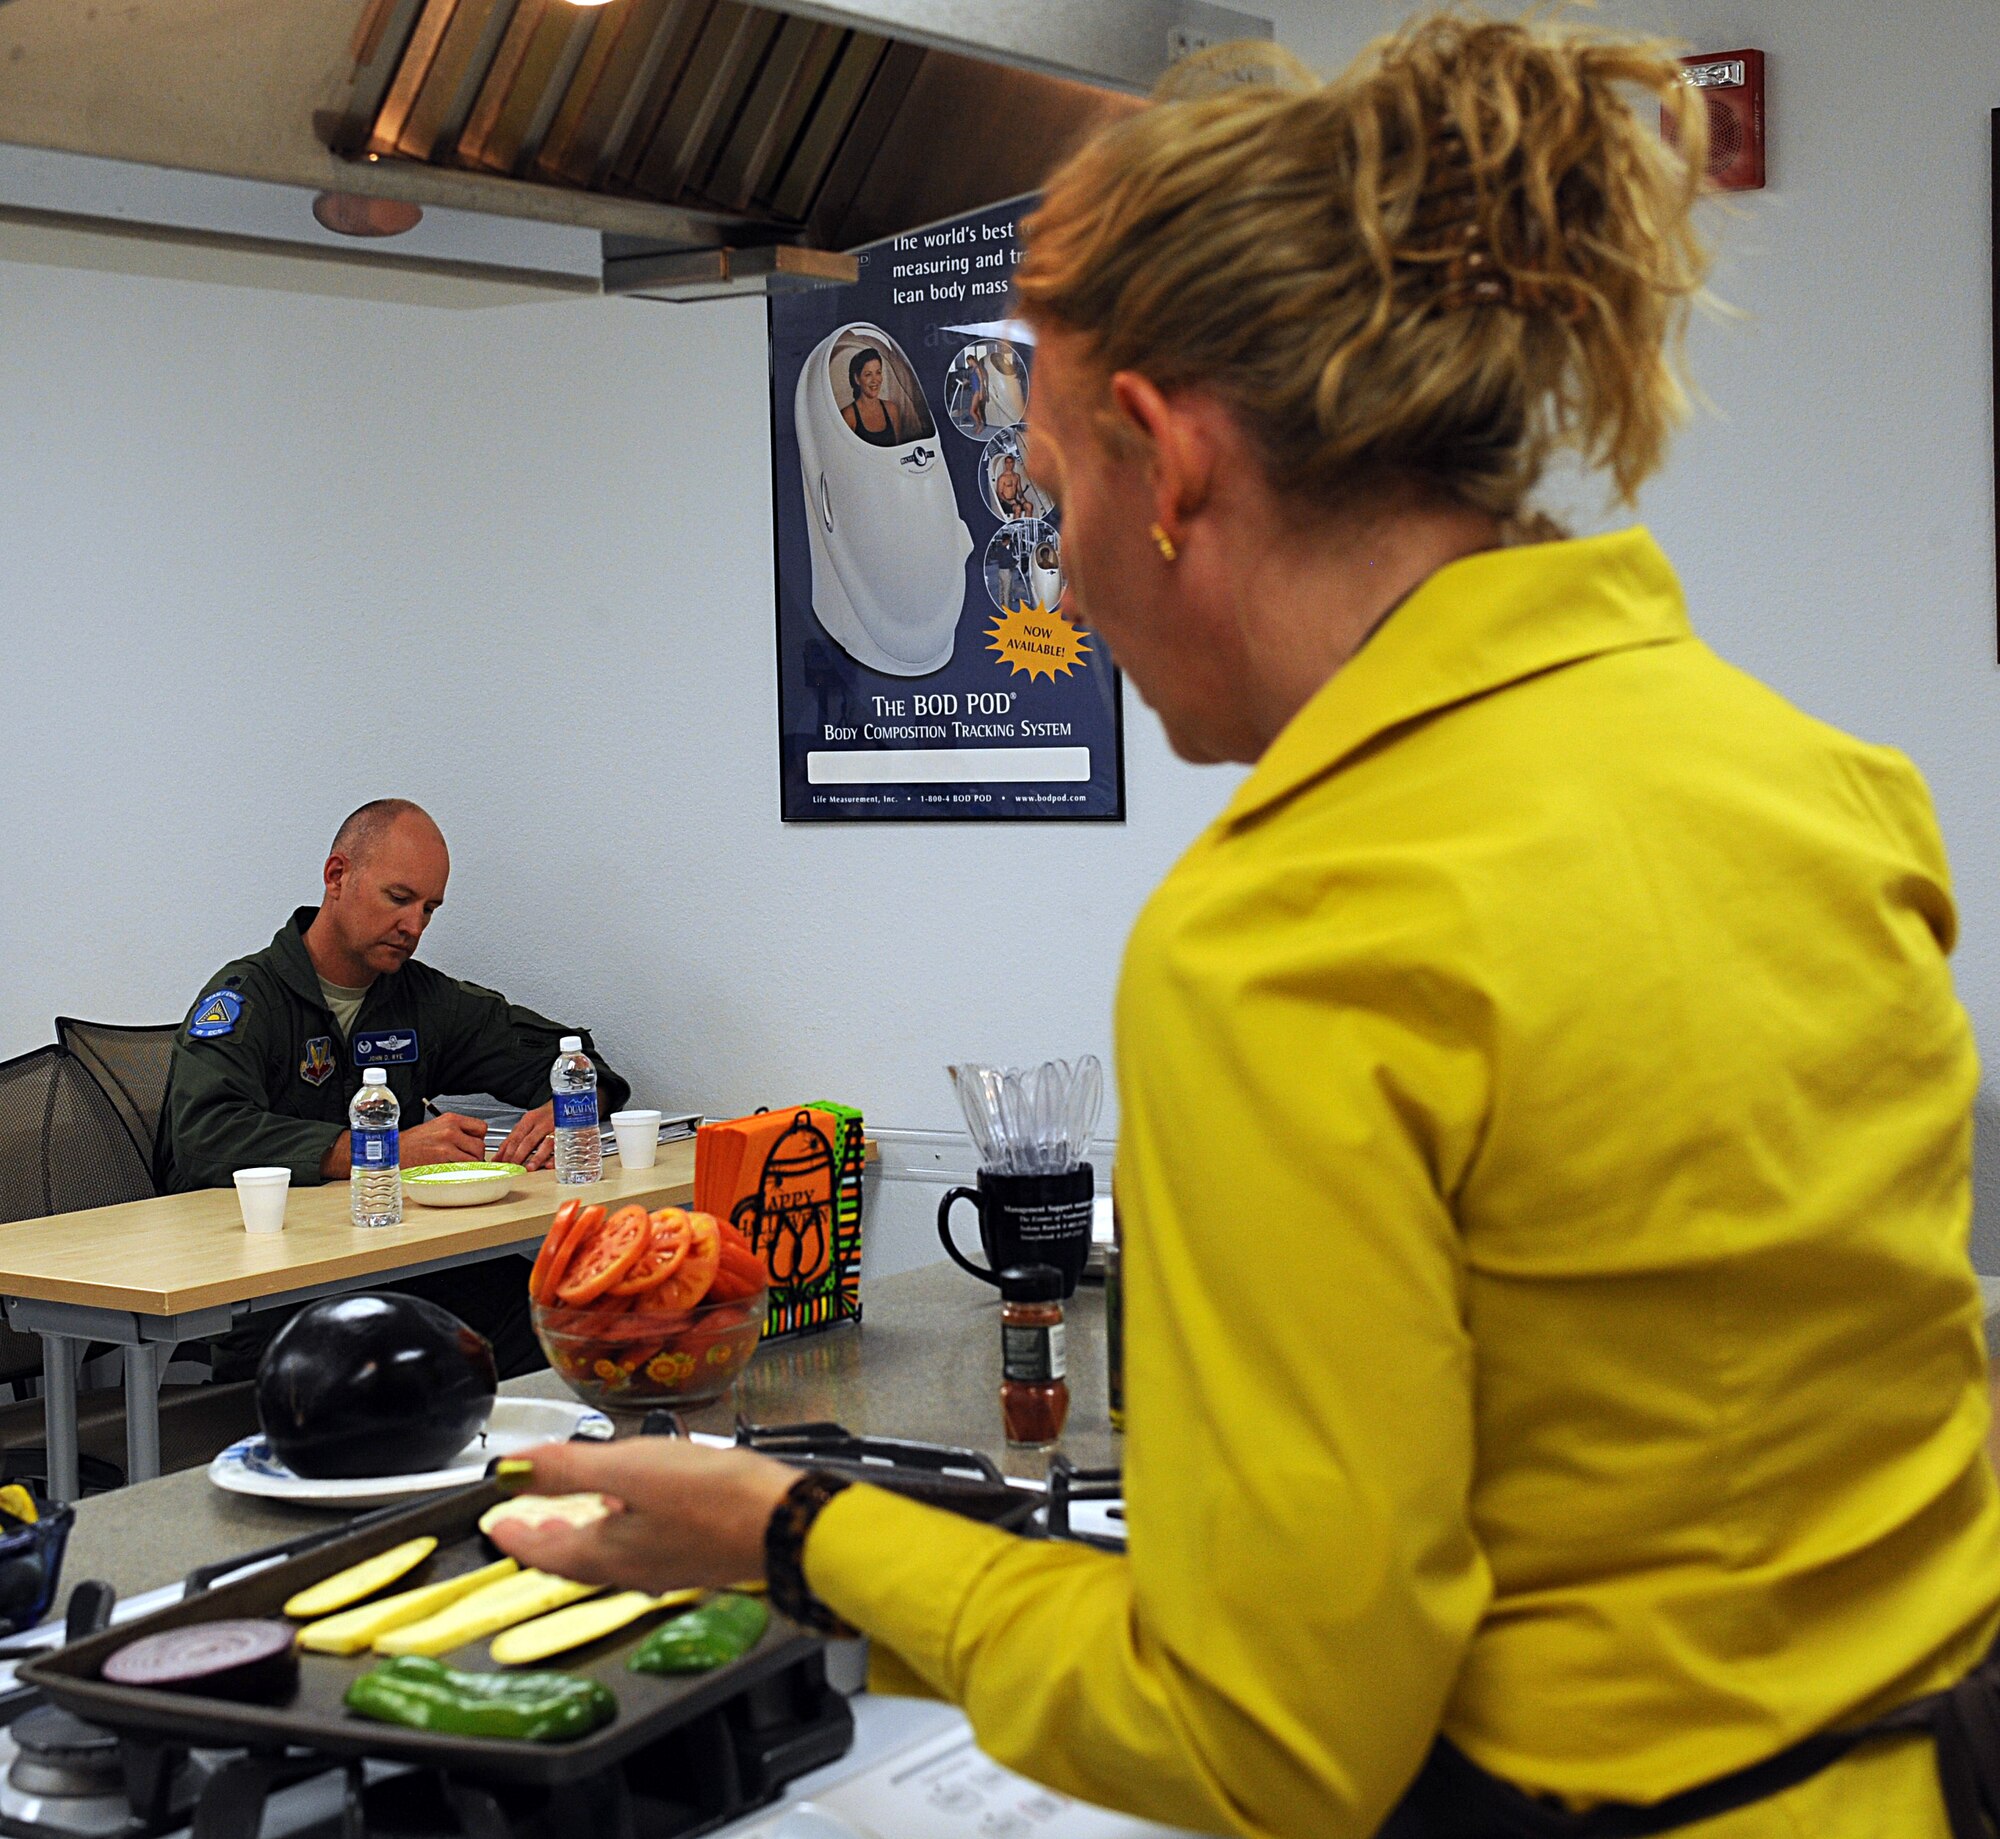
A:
[(1465, 253)]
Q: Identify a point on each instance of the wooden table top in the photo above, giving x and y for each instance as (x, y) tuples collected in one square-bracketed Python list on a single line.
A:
[(182, 1252)]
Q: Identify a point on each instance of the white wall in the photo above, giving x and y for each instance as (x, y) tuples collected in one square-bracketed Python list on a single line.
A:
[(264, 553), (267, 554)]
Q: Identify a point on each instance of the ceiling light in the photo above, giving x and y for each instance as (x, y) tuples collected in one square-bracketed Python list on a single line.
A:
[(348, 214)]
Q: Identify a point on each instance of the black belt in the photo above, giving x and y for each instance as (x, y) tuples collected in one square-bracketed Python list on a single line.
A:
[(1454, 1798)]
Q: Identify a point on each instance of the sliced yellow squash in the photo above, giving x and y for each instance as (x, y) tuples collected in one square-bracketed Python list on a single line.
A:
[(486, 1612), (355, 1629), (360, 1580), (580, 1624)]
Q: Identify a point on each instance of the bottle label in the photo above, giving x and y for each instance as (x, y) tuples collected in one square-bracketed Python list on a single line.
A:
[(1033, 1356), (372, 1150), (576, 1110)]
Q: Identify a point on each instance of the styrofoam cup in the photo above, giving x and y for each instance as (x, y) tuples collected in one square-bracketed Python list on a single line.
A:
[(261, 1194), (638, 1134)]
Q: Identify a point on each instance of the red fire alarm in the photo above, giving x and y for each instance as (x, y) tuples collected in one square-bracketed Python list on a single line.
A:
[(1732, 85)]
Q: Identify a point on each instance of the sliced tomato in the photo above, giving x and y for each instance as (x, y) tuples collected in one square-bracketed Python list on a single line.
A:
[(559, 1230), (604, 1256), (730, 1286), (668, 1241), (582, 1224), (733, 1235), (690, 1280), (740, 1272), (632, 1211)]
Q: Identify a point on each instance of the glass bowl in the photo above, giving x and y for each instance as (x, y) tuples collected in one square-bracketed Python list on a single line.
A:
[(631, 1360)]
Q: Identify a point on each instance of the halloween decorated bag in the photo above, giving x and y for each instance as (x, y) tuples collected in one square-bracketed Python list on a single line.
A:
[(789, 1180)]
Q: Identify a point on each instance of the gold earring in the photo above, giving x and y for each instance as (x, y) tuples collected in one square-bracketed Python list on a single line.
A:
[(1165, 545)]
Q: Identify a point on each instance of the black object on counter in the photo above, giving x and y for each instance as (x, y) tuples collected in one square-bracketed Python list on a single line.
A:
[(31, 1558), (373, 1385), (1027, 1220)]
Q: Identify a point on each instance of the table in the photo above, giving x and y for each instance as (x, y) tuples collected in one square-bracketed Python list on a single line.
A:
[(924, 1362), (150, 1273)]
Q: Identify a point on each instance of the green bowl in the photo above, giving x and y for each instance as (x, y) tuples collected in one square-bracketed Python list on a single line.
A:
[(460, 1184)]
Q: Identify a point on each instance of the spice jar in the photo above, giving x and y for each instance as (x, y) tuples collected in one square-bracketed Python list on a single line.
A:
[(1034, 1394)]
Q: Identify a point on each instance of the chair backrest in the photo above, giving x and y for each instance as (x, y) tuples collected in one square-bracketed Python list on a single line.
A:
[(63, 1143), (130, 1063)]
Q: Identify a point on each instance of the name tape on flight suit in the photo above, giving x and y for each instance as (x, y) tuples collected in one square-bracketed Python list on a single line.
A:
[(385, 1047)]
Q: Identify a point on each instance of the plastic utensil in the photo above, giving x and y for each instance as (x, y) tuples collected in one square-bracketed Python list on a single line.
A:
[(1033, 1120), (1086, 1100)]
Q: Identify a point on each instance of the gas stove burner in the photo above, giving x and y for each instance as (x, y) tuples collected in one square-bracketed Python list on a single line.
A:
[(67, 1776), (827, 1442), (62, 1755), (960, 1480)]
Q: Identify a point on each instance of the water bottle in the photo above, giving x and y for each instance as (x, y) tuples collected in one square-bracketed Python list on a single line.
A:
[(375, 1188), (573, 1080)]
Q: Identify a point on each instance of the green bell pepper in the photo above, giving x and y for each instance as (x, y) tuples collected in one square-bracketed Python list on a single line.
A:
[(426, 1694), (724, 1628)]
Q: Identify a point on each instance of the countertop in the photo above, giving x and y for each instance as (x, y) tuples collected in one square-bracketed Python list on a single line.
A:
[(924, 1362)]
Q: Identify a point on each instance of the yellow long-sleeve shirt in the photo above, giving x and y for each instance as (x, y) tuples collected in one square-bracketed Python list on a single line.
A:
[(1544, 1172)]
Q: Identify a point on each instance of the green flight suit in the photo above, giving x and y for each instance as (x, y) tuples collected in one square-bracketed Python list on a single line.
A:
[(260, 1077)]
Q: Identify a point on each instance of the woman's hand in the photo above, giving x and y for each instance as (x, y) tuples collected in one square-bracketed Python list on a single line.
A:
[(681, 1514)]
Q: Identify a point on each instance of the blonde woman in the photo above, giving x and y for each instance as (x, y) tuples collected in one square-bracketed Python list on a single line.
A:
[(1555, 1392)]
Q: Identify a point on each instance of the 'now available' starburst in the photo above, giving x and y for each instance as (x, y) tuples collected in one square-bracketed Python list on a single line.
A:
[(1034, 640)]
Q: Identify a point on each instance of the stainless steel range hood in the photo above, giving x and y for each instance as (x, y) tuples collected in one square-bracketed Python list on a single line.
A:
[(712, 145)]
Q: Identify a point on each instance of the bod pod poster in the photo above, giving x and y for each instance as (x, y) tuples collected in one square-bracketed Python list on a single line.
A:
[(929, 664), (888, 544)]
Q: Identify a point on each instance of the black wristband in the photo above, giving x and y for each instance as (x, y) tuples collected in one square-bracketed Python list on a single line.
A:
[(785, 1554)]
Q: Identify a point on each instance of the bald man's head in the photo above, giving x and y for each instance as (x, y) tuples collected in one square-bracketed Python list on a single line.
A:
[(361, 830), (385, 876)]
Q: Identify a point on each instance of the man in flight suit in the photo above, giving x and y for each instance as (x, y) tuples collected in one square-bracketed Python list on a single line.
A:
[(270, 1055)]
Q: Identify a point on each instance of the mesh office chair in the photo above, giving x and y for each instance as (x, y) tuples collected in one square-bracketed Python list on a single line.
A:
[(64, 1143), (130, 1063)]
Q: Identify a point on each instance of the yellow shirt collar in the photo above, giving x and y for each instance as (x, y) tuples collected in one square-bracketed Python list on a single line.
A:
[(1477, 624)]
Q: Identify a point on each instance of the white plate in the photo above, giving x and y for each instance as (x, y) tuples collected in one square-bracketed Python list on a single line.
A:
[(249, 1467), (460, 1184)]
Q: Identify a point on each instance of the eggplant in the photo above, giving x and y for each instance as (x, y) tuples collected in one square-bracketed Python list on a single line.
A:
[(373, 1385)]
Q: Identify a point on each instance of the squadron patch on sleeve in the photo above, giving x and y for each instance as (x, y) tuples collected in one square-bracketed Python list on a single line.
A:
[(316, 1068), (215, 1014)]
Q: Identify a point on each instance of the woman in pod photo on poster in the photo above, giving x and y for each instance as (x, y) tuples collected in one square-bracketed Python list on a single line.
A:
[(871, 415), (882, 522)]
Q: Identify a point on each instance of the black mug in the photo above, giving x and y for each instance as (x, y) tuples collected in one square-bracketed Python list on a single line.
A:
[(1027, 1219)]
